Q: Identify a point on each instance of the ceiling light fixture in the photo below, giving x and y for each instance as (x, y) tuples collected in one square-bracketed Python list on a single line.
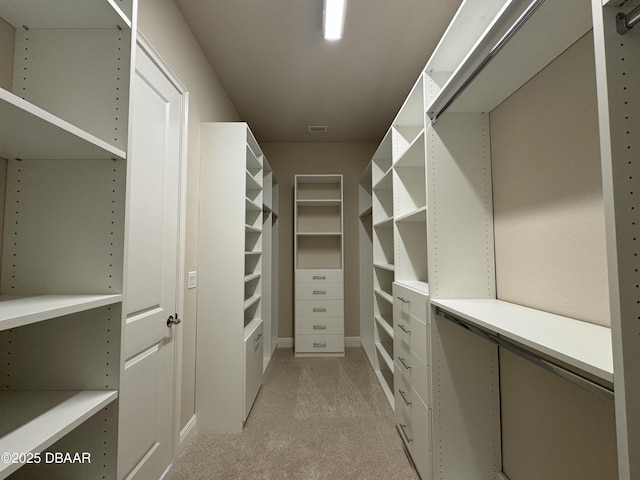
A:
[(334, 18)]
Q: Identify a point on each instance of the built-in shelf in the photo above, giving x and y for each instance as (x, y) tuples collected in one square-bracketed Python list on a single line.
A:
[(384, 295), (418, 215), (17, 311), (386, 181), (386, 324), (31, 421), (251, 228), (251, 327), (251, 300), (319, 234), (75, 14), (253, 276), (57, 139), (252, 183), (319, 203), (388, 392), (584, 346), (418, 286), (387, 222), (253, 253), (385, 266), (253, 206), (385, 356), (366, 212)]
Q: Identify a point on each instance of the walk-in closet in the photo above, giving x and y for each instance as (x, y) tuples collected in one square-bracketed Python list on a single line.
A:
[(331, 239)]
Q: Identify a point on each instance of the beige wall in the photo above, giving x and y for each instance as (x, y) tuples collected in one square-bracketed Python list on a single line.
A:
[(550, 254), (289, 159), (547, 187), (161, 23)]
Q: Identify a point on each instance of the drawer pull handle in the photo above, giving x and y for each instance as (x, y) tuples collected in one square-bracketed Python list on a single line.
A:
[(319, 292), (257, 339), (403, 395), (319, 277), (319, 310), (403, 328), (319, 344), (404, 363), (403, 428), (403, 300), (319, 327)]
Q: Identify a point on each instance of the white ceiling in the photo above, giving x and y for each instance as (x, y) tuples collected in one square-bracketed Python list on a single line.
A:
[(282, 75)]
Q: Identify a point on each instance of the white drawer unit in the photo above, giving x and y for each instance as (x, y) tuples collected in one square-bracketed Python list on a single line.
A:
[(319, 276), (253, 347), (319, 258), (312, 291), (319, 308), (412, 331), (320, 326), (412, 301), (319, 344), (416, 372)]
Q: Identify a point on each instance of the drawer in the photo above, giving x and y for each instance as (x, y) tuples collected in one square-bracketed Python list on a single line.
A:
[(319, 276), (320, 326), (411, 301), (311, 291), (319, 343), (413, 332), (415, 371), (319, 308), (253, 346)]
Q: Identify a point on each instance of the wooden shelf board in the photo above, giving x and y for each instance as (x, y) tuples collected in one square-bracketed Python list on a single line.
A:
[(385, 356), (31, 421), (252, 206), (319, 202), (252, 183), (384, 295), (366, 212), (418, 215), (414, 155), (388, 392), (385, 182), (384, 324), (319, 234), (253, 253), (17, 311), (75, 14), (253, 276), (23, 123), (251, 228), (385, 266), (582, 345), (251, 300)]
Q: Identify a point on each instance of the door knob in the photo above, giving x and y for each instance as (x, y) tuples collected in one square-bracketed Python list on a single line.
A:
[(173, 320)]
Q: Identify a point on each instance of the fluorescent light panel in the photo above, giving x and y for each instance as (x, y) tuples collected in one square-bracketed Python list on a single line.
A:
[(334, 18)]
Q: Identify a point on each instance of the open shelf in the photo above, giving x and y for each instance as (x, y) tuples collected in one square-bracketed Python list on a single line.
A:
[(31, 421), (251, 301), (385, 182), (385, 266), (252, 205), (388, 298), (417, 215), (251, 327), (57, 139), (382, 159), (386, 324), (252, 183), (422, 287), (584, 346), (17, 311)]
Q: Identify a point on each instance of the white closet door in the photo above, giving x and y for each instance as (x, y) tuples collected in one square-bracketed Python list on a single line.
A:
[(146, 401)]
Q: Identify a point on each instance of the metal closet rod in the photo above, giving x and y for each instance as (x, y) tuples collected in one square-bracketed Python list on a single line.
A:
[(530, 356), (522, 19), (624, 23)]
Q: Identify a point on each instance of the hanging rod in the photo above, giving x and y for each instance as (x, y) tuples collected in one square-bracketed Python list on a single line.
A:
[(549, 366), (624, 23), (522, 19)]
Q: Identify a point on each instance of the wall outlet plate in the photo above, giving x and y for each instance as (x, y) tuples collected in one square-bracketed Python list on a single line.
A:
[(192, 280)]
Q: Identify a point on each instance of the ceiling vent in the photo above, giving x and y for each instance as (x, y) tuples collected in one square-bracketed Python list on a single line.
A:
[(317, 128)]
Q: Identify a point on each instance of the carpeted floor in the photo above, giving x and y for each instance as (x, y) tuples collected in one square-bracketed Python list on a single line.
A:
[(315, 418)]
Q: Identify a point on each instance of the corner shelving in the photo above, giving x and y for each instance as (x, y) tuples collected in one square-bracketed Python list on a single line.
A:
[(365, 232)]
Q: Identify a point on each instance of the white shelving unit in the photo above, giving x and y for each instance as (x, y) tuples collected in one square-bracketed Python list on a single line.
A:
[(451, 247), (269, 264), (319, 260), (63, 140), (231, 279), (365, 232), (275, 279)]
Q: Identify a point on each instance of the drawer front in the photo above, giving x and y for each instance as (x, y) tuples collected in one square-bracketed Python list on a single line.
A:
[(320, 326), (312, 291), (413, 332), (410, 301), (319, 308), (319, 276), (413, 369), (421, 449), (253, 346), (319, 344)]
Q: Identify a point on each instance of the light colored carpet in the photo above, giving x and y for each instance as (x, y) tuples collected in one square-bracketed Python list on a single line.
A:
[(315, 418)]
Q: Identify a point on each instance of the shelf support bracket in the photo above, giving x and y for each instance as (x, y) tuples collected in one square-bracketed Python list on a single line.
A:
[(547, 365), (625, 22)]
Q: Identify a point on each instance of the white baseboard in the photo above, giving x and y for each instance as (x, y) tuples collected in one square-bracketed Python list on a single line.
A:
[(187, 433), (348, 342)]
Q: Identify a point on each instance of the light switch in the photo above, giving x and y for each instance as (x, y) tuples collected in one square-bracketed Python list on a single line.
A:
[(192, 280)]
